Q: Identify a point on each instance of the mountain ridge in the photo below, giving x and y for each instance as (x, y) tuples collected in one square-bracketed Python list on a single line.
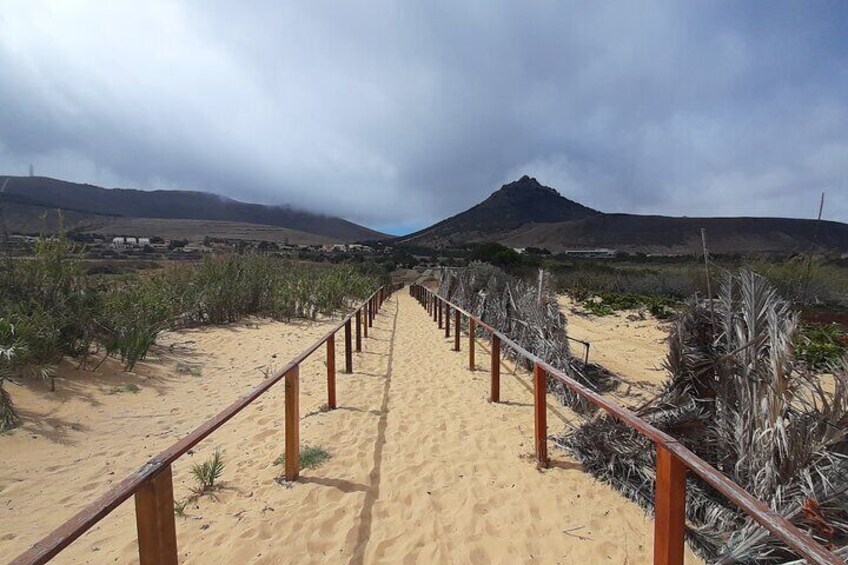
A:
[(526, 213), (45, 192)]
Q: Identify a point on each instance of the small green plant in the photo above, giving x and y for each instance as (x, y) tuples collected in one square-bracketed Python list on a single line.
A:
[(821, 346), (310, 457), (180, 508), (8, 418), (207, 473)]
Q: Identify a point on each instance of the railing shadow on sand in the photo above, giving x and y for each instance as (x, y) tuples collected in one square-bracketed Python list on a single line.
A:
[(673, 459), (152, 484)]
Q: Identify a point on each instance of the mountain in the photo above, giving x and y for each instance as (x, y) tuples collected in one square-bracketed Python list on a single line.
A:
[(87, 204), (516, 204), (525, 213)]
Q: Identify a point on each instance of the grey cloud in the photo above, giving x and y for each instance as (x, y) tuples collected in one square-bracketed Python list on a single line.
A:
[(402, 113)]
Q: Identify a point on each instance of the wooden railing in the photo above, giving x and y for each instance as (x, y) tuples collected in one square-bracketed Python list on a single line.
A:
[(152, 484), (673, 459)]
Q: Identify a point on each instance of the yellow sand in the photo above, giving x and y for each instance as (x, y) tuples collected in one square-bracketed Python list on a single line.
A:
[(632, 345), (424, 469)]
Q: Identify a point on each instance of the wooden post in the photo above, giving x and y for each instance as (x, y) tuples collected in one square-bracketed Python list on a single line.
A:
[(348, 350), (154, 519), (540, 389), (358, 331), (472, 328), (331, 368), (670, 506), (496, 369), (292, 389), (371, 312), (435, 308), (440, 309), (457, 327), (447, 319)]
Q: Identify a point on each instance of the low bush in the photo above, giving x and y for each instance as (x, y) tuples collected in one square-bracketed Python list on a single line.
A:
[(821, 347), (52, 307), (605, 303), (310, 457)]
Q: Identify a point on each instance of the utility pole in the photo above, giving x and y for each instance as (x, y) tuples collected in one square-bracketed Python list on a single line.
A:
[(707, 272), (3, 217), (812, 250)]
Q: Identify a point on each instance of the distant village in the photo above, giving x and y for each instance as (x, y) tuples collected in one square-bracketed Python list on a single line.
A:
[(95, 246)]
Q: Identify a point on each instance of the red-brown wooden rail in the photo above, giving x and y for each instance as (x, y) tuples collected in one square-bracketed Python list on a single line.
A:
[(348, 349), (495, 369), (154, 518), (457, 329), (152, 484), (331, 366), (540, 420), (673, 460), (292, 403), (358, 331), (472, 331)]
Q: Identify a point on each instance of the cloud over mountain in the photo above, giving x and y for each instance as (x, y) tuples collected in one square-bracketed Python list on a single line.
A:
[(354, 109)]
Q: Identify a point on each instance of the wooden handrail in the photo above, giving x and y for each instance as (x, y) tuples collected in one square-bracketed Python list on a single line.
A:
[(148, 482), (671, 455)]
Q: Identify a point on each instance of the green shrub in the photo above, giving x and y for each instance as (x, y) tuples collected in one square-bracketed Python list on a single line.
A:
[(309, 457), (605, 303), (821, 346), (58, 309)]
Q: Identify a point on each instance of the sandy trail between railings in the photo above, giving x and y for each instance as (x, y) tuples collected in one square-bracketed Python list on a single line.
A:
[(424, 468)]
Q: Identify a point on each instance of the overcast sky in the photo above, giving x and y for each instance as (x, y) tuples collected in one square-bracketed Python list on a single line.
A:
[(398, 114)]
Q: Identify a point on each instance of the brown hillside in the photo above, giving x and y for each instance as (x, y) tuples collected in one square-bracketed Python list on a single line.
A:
[(526, 213)]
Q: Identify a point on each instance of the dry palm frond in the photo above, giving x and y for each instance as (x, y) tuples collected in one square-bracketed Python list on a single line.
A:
[(535, 323), (739, 399)]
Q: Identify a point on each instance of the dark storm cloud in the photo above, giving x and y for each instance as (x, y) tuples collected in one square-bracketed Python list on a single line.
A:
[(397, 114)]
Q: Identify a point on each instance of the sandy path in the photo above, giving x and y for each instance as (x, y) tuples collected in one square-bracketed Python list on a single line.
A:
[(456, 480), (424, 468)]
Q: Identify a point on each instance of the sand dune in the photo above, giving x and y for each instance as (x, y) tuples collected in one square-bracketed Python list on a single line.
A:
[(424, 468), (631, 347)]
